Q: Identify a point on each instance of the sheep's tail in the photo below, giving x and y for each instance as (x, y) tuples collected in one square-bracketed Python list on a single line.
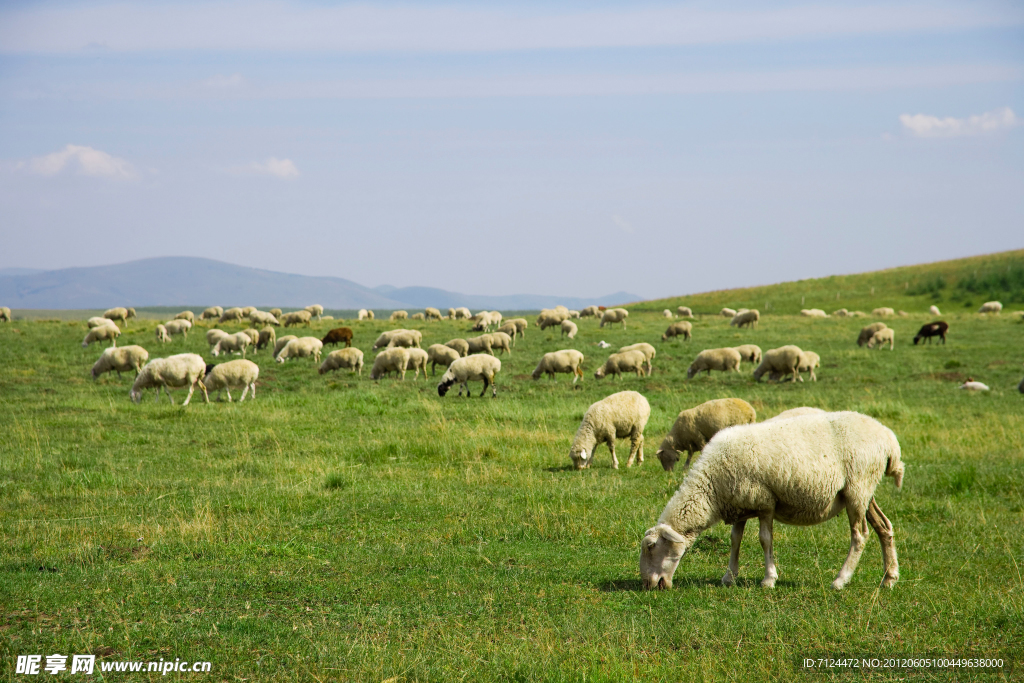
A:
[(894, 467)]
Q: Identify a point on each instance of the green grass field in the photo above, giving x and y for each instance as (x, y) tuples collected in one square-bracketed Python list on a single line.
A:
[(343, 529)]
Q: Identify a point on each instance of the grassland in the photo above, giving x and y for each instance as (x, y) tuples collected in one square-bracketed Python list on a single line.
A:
[(342, 529)]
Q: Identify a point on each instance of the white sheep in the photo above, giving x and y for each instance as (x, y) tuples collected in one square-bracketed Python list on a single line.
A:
[(443, 355), (746, 319), (102, 333), (501, 341), (621, 363), (484, 321), (801, 470), (399, 315), (296, 318), (883, 312), (451, 314), (521, 325), (460, 345), (693, 428), (649, 353), (161, 334), (614, 315), (186, 315), (409, 339), (263, 318), (868, 331), (682, 329), (432, 313), (239, 374), (684, 312), (418, 316), (365, 314), (727, 313), (569, 329), (813, 313), (231, 315), (723, 360), (469, 369), (795, 412), (96, 321), (462, 313), (991, 307), (247, 311), (551, 318), (181, 370), (120, 360), (281, 343), (809, 360), (276, 312), (212, 312), (667, 314), (315, 309), (5, 314), (268, 338), (509, 328), (213, 336), (603, 344), (784, 360), (840, 313), (618, 416), (418, 359), (934, 310), (883, 337), (120, 313), (254, 337), (178, 326), (303, 347), (566, 360), (973, 385), (749, 352), (237, 343), (390, 360), (590, 312), (351, 358), (575, 315), (481, 344)]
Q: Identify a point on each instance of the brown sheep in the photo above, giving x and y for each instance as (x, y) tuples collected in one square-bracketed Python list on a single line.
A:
[(338, 335)]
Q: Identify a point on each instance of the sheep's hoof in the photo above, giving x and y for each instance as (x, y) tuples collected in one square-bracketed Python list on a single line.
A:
[(728, 580), (768, 582), (890, 581), (838, 584)]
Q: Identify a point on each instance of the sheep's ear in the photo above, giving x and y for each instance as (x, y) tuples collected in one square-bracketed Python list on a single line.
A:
[(670, 534), (583, 454)]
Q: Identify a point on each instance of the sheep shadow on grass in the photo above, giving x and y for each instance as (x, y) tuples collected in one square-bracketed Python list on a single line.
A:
[(684, 582)]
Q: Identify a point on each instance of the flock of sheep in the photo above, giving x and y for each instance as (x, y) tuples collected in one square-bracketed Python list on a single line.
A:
[(801, 467)]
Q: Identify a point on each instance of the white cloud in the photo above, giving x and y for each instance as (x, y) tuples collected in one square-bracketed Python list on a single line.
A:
[(88, 161), (220, 81), (272, 166), (925, 126)]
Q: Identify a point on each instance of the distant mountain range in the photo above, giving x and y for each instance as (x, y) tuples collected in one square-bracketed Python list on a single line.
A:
[(198, 282)]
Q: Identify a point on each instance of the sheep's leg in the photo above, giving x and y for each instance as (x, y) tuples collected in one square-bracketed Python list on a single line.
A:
[(611, 447), (796, 375), (771, 573), (228, 390), (191, 388), (486, 384), (814, 378), (858, 538), (733, 571), (883, 527), (252, 394)]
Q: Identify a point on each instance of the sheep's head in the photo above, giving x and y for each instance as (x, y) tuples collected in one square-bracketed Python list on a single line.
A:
[(660, 552), (693, 370), (668, 455), (445, 385), (580, 458), (599, 373), (135, 395)]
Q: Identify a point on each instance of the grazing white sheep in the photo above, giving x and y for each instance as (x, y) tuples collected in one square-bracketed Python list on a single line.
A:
[(614, 315), (399, 315), (590, 312), (238, 374), (727, 313), (684, 311), (212, 312), (813, 313), (575, 315), (231, 315), (409, 339), (390, 360), (237, 343), (569, 328), (749, 352), (521, 325), (566, 360), (649, 353), (418, 316), (462, 313), (667, 314), (509, 328), (883, 337), (441, 354), (432, 313), (96, 321), (181, 370), (303, 347), (247, 311), (840, 313), (693, 428), (364, 314), (161, 334), (682, 329), (268, 338), (276, 312), (296, 318), (502, 342), (281, 343), (868, 331), (883, 312), (973, 385), (418, 359), (350, 357), (618, 416), (784, 360), (460, 345), (746, 319), (186, 315), (801, 470), (621, 363), (5, 314), (481, 344), (550, 317), (102, 333), (809, 360), (213, 336), (934, 310), (484, 321), (176, 326), (120, 360), (723, 360), (991, 307), (254, 337), (315, 309), (126, 314), (471, 368), (795, 412), (263, 318)]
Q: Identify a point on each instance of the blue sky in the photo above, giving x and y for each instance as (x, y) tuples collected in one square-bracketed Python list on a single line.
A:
[(568, 148)]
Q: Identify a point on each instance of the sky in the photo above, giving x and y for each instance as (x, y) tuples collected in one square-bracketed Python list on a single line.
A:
[(565, 148)]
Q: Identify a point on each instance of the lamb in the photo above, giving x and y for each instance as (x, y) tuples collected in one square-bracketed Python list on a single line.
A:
[(343, 358), (337, 336), (935, 329), (460, 345), (120, 360), (867, 332), (746, 319), (622, 362), (795, 412), (263, 318), (808, 361), (934, 310), (749, 352), (126, 314), (176, 326), (468, 369), (5, 314), (813, 313), (603, 344), (315, 309), (883, 312), (727, 313), (365, 314), (102, 333), (388, 361), (589, 312), (432, 313), (296, 318), (182, 370), (987, 307), (681, 328), (566, 360), (882, 337), (618, 416), (784, 360), (693, 428), (281, 343), (212, 312), (440, 354), (724, 360), (418, 360), (801, 470), (303, 347), (684, 311), (240, 374), (409, 339), (231, 315), (237, 342), (502, 342), (161, 334), (614, 315), (497, 317), (480, 344), (399, 315), (267, 338), (646, 349), (667, 314), (569, 328), (186, 315)]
